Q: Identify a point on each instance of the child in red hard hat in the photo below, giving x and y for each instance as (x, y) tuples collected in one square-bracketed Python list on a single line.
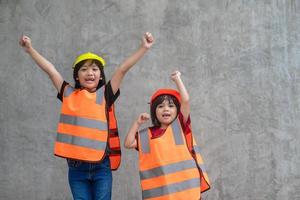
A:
[(170, 164)]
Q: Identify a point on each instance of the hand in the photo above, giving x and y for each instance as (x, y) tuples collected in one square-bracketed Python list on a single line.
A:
[(25, 42), (175, 75), (144, 117), (148, 40)]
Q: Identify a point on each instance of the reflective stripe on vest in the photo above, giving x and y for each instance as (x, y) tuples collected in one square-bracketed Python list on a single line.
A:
[(83, 130), (167, 169), (195, 152), (84, 122), (172, 188), (68, 91), (79, 141), (145, 147)]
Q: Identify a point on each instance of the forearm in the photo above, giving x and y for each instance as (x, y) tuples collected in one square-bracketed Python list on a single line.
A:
[(125, 66), (185, 104), (182, 90), (42, 62), (133, 59), (130, 140), (47, 67)]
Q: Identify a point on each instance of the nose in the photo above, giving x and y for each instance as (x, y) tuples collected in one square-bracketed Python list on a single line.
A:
[(90, 71), (166, 108)]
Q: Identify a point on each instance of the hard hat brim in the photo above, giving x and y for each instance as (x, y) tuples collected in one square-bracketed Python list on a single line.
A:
[(88, 56)]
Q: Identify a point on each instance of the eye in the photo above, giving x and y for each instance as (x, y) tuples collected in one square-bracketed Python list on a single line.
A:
[(95, 69), (83, 69), (160, 106)]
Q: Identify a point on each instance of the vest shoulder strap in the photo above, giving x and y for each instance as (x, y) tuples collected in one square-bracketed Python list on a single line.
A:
[(144, 140), (68, 90)]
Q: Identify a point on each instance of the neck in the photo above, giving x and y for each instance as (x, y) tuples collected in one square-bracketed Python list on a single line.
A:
[(164, 126), (89, 90)]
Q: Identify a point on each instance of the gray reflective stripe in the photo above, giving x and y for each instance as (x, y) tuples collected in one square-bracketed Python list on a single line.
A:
[(68, 91), (79, 141), (177, 133), (168, 169), (80, 121), (197, 149), (202, 168), (144, 139), (172, 188), (100, 95)]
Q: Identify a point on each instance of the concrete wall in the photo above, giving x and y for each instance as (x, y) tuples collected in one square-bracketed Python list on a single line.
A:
[(240, 61)]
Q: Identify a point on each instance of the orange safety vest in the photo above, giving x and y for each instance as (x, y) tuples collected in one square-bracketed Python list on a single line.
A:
[(168, 169), (87, 130)]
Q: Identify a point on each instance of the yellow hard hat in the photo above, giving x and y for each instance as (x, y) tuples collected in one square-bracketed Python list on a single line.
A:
[(87, 56)]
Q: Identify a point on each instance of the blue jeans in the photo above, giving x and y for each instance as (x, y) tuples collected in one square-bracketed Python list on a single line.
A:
[(90, 181)]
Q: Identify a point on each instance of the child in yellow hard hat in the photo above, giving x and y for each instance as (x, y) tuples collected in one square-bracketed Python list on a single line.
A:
[(170, 163), (87, 134)]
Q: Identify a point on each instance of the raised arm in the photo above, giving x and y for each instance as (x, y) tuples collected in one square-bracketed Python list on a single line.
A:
[(119, 74), (130, 140), (185, 98), (42, 62)]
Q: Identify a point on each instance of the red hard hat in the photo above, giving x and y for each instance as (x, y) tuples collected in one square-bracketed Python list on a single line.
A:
[(166, 91)]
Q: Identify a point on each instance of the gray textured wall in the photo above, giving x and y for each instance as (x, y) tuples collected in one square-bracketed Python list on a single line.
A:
[(240, 61)]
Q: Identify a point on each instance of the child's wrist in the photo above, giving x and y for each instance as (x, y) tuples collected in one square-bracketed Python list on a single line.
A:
[(144, 47), (138, 123), (30, 50)]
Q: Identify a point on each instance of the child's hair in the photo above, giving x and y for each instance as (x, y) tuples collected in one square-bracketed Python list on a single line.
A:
[(80, 64), (158, 100)]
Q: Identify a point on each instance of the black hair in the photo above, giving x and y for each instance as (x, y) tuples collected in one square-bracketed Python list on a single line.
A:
[(158, 100), (80, 64)]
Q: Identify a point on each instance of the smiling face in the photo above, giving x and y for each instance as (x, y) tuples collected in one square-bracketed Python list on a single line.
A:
[(164, 110), (89, 76)]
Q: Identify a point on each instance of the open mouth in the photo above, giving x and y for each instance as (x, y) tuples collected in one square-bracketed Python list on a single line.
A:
[(89, 80), (166, 115)]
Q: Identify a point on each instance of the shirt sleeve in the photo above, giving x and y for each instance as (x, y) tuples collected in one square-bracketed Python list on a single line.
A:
[(137, 141), (61, 93), (110, 97), (186, 126)]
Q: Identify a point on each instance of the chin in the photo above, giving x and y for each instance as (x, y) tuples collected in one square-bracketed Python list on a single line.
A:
[(91, 89), (166, 122)]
